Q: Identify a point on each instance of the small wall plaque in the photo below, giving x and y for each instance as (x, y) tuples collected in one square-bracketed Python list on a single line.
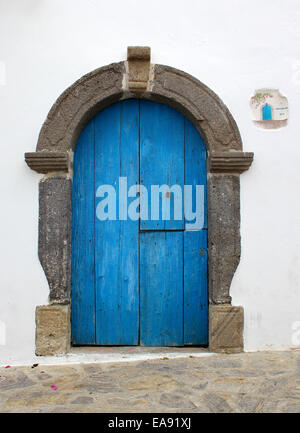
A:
[(269, 109)]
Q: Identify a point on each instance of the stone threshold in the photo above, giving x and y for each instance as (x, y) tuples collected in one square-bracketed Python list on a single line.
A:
[(116, 354), (111, 354)]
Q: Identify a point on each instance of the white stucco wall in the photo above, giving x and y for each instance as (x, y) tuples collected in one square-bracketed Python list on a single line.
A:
[(234, 47)]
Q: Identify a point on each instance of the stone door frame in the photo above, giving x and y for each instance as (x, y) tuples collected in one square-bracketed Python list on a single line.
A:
[(138, 78)]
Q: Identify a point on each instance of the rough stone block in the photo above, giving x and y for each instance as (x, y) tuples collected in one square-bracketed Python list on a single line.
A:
[(55, 232), (53, 329), (226, 328)]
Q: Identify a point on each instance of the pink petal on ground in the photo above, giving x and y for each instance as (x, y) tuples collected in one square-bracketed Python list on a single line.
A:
[(7, 366), (54, 387)]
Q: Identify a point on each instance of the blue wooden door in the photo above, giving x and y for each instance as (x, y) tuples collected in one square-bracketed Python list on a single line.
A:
[(139, 277)]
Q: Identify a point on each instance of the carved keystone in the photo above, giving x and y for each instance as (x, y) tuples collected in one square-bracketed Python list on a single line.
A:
[(139, 68)]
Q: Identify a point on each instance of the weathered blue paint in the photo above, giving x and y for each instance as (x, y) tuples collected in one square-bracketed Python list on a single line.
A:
[(267, 112), (161, 288), (195, 246), (137, 285), (195, 288), (161, 156), (195, 172), (116, 242), (83, 240)]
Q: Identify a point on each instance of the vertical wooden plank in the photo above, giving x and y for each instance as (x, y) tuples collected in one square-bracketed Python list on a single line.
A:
[(161, 156), (161, 291), (116, 242), (195, 164), (195, 245), (82, 293), (195, 288)]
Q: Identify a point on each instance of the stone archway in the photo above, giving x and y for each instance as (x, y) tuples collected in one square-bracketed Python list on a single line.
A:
[(137, 77)]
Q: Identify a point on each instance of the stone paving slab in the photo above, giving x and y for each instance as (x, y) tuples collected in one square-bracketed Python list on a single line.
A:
[(248, 382)]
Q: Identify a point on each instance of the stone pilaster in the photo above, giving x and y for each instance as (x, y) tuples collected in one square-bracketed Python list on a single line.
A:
[(55, 234), (223, 197)]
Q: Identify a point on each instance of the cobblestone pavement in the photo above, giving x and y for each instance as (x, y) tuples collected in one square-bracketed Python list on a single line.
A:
[(249, 382)]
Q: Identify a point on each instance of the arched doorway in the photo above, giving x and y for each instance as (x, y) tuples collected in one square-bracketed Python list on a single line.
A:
[(77, 105), (139, 229)]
